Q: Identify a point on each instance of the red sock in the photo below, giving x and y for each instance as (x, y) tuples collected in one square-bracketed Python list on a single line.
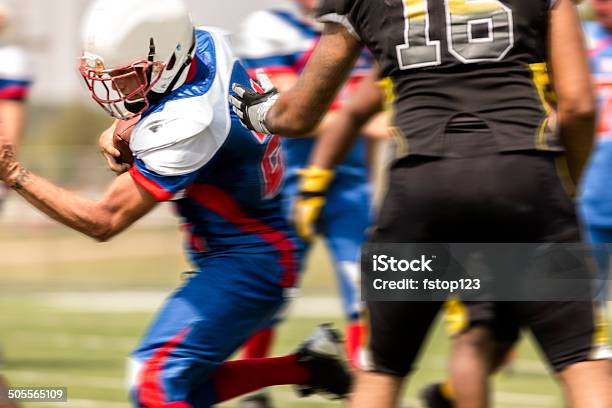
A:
[(240, 377), (259, 344), (355, 336)]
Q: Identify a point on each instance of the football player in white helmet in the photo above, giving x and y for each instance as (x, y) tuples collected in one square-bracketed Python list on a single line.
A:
[(122, 75), (144, 60)]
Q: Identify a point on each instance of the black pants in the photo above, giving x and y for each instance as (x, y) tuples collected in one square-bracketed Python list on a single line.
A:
[(479, 196)]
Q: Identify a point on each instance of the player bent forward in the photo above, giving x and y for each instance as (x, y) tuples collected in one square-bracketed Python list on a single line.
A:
[(144, 57)]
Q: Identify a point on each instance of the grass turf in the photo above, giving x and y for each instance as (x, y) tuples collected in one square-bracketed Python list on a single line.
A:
[(50, 343)]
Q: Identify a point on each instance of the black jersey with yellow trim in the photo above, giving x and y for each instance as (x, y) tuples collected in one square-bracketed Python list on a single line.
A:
[(452, 58)]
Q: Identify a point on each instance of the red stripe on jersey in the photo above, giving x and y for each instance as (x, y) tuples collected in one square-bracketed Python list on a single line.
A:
[(272, 70), (152, 394), (14, 92), (157, 191), (223, 204)]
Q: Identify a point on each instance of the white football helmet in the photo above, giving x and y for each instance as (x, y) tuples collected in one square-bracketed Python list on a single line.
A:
[(132, 48)]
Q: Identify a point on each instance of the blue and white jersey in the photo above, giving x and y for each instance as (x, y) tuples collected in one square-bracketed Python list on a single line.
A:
[(282, 41), (191, 148), (15, 73), (596, 194), (600, 57)]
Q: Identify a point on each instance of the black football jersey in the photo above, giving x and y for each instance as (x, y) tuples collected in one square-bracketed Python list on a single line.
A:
[(448, 59)]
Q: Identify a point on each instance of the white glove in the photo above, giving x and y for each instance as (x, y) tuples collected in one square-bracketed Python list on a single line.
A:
[(251, 106)]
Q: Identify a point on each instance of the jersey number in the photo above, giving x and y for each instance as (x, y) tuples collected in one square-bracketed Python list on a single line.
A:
[(272, 167), (476, 30)]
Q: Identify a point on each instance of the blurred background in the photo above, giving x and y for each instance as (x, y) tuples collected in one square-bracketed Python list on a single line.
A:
[(70, 309)]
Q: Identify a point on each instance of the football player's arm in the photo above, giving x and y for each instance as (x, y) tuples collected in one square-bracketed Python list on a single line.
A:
[(299, 110), (572, 83), (338, 137), (284, 82), (123, 203)]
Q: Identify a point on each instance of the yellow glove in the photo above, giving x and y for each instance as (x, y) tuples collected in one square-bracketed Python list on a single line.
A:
[(314, 182)]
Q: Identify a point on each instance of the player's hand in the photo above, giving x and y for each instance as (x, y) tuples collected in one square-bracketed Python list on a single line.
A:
[(110, 152), (252, 106), (10, 168), (314, 182)]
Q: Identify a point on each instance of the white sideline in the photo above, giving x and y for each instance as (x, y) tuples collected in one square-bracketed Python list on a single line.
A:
[(147, 301), (67, 380), (150, 300), (82, 341)]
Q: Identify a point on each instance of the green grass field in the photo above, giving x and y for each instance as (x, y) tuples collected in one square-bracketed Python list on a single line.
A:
[(71, 311)]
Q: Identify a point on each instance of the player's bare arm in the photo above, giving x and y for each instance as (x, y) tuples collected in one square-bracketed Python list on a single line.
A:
[(299, 110), (283, 82), (572, 83), (123, 203), (337, 139)]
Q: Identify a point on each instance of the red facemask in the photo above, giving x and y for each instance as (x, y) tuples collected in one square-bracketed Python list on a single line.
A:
[(122, 92)]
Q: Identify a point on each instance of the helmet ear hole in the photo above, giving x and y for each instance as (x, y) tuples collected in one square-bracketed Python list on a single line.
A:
[(171, 63)]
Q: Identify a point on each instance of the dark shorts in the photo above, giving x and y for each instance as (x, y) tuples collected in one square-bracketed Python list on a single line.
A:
[(479, 196)]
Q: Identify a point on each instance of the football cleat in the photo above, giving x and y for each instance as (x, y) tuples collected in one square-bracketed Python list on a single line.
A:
[(258, 400), (432, 397), (321, 353)]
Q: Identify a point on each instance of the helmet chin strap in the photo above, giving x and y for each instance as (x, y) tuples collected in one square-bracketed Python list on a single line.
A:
[(135, 107), (185, 65)]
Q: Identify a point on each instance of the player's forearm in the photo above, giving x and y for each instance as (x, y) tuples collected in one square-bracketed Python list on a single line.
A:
[(286, 119), (78, 213), (281, 116), (300, 109)]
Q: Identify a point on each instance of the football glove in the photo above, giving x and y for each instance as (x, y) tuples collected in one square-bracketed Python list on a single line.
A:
[(314, 182), (253, 106)]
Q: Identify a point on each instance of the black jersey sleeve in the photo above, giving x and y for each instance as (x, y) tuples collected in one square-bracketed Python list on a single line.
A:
[(344, 12)]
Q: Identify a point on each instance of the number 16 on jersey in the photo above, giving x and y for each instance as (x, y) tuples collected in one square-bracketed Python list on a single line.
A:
[(476, 31)]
